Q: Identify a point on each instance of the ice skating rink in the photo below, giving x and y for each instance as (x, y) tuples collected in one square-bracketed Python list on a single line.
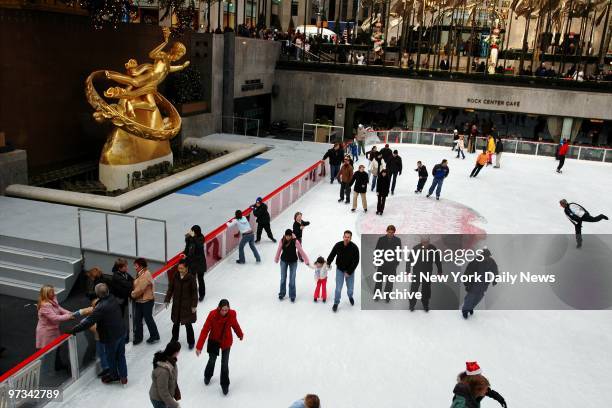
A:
[(357, 358)]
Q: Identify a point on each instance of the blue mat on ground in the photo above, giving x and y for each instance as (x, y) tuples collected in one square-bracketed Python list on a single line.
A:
[(207, 184)]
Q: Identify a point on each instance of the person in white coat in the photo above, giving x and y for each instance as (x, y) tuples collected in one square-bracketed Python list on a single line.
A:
[(376, 166), (460, 147)]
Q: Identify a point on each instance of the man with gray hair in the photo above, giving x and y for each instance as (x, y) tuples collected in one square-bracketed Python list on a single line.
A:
[(106, 315), (577, 215)]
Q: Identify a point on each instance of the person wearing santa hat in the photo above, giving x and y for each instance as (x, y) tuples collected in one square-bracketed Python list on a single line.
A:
[(465, 378)]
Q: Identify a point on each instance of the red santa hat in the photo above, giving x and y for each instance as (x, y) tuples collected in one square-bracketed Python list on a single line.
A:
[(472, 368)]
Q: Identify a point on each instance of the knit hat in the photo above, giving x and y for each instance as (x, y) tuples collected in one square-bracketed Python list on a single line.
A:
[(472, 368), (258, 199)]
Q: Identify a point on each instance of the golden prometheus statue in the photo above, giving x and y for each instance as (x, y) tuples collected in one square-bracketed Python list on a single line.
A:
[(141, 134)]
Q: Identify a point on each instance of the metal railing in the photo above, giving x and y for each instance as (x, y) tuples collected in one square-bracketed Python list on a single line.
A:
[(320, 133), (510, 145), (240, 125), (123, 235)]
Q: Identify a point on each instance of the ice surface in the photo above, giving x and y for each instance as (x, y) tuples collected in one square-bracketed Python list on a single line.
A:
[(394, 359)]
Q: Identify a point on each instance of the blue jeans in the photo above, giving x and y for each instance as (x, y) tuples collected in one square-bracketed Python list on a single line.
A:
[(471, 300), (373, 182), (158, 404), (144, 311), (436, 183), (101, 352), (350, 284), (334, 169), (247, 239), (115, 354), (283, 282)]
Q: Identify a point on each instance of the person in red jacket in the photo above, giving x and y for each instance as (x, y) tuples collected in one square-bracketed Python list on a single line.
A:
[(563, 148), (218, 328)]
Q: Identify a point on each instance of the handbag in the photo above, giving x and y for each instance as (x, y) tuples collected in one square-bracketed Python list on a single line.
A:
[(214, 346)]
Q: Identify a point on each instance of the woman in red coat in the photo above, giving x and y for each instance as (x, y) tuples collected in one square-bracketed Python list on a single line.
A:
[(218, 328)]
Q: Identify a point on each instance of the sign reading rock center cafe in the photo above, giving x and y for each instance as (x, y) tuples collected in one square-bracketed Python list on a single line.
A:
[(493, 102)]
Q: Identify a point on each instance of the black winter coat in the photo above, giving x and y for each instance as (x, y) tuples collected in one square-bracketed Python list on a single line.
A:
[(499, 146), (462, 390), (383, 184), (385, 243), (347, 256), (184, 295), (195, 253), (90, 291), (122, 286), (394, 165), (335, 156), (261, 213), (386, 154), (478, 269), (360, 180), (297, 231), (424, 263), (422, 172), (107, 317)]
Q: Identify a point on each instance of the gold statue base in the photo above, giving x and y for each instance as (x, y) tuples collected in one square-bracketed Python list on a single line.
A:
[(123, 154)]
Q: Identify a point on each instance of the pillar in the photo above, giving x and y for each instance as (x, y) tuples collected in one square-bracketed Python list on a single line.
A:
[(418, 117), (566, 130)]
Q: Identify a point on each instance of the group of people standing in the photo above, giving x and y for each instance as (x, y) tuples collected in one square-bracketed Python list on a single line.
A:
[(383, 168)]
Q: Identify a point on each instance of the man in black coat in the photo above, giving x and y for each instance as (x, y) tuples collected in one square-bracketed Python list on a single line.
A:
[(422, 172), (386, 154), (346, 254), (395, 168), (384, 243), (335, 156), (476, 284), (109, 323), (122, 284), (577, 214), (382, 191), (260, 211), (360, 182), (423, 265)]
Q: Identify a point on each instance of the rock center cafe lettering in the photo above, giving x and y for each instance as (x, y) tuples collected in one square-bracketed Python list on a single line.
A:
[(494, 102)]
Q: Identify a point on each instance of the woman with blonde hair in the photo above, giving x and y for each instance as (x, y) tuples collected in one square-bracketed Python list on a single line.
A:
[(50, 315)]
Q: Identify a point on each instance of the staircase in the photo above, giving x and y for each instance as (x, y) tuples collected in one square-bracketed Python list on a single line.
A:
[(27, 265)]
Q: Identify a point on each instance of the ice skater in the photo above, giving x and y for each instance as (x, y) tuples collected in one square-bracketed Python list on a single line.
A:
[(345, 177), (289, 249), (298, 228), (561, 152), (471, 369), (422, 172), (422, 267), (247, 236), (472, 387), (360, 182), (387, 242), (395, 168), (346, 254), (382, 191), (260, 211), (354, 150), (335, 155), (376, 166), (476, 284), (481, 160), (455, 140), (460, 147), (577, 214), (499, 149), (439, 173), (320, 274)]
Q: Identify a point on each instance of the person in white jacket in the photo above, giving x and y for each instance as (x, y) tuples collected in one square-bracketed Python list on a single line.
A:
[(460, 147), (247, 236), (320, 274), (376, 166)]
